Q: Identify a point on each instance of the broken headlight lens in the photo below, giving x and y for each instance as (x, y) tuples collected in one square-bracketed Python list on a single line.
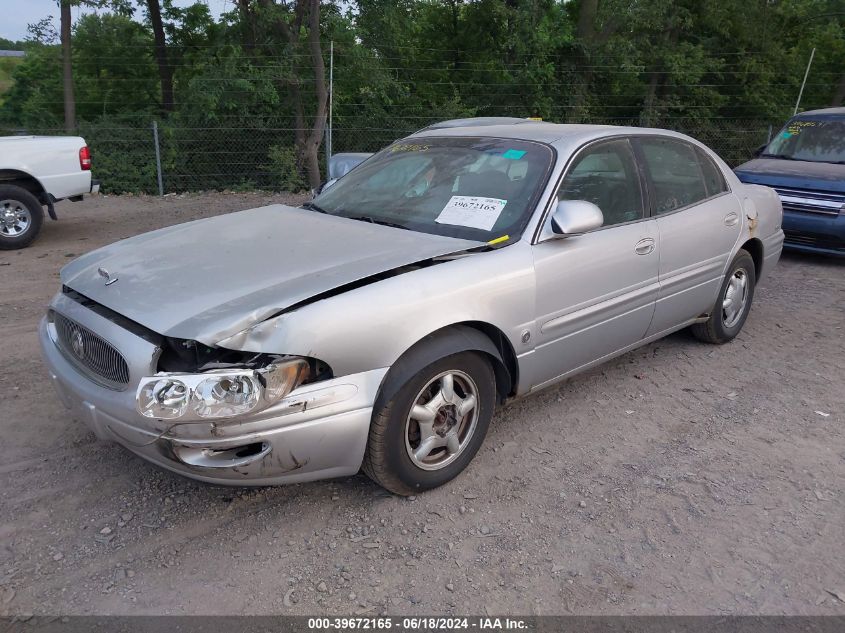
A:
[(164, 398), (220, 393)]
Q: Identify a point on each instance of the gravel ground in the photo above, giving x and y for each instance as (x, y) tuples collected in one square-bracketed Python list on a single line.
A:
[(678, 479)]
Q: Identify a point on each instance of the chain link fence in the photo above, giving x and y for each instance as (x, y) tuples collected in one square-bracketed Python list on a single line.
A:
[(263, 158)]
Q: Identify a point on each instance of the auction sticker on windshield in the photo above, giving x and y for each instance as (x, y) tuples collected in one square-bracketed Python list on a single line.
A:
[(472, 211)]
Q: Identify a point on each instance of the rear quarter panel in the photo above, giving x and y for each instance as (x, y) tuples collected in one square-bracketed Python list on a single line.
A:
[(763, 204)]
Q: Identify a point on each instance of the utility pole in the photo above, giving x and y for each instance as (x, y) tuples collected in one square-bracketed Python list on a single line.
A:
[(331, 98), (804, 83)]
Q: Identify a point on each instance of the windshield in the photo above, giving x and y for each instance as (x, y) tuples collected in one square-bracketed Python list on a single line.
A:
[(474, 188), (821, 141)]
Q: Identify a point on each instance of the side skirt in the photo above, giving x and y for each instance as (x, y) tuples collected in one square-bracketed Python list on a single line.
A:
[(624, 350)]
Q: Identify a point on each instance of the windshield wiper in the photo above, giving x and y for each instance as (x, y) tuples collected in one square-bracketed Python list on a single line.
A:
[(372, 220), (313, 207)]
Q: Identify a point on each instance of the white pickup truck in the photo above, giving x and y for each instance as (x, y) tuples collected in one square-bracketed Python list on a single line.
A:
[(36, 172)]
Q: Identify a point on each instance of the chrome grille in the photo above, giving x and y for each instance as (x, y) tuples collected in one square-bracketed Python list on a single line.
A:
[(811, 201), (90, 353)]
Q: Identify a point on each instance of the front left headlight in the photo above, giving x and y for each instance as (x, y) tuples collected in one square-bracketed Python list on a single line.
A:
[(220, 393)]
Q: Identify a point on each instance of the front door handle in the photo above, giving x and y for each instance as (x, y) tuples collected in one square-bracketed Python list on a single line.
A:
[(731, 219), (644, 246)]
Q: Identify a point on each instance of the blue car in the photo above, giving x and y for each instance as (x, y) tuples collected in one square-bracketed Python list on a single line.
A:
[(805, 164)]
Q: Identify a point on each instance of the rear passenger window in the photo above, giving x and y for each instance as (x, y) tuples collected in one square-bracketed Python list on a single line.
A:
[(713, 178), (676, 174)]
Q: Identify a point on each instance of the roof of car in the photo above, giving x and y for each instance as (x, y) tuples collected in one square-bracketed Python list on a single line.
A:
[(477, 122), (824, 112), (540, 131)]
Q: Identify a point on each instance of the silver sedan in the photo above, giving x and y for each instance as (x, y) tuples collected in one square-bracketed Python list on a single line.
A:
[(379, 325)]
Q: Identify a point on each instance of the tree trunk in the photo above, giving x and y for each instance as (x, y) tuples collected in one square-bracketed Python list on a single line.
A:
[(657, 84), (839, 95), (586, 38), (456, 37), (248, 24), (298, 121), (312, 143), (586, 29), (165, 71), (307, 138), (67, 68), (647, 116)]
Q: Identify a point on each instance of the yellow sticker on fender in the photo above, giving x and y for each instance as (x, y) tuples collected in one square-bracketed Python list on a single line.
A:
[(474, 212)]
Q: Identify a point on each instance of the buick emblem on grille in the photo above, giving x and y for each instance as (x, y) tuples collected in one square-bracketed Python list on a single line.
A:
[(107, 276), (77, 344)]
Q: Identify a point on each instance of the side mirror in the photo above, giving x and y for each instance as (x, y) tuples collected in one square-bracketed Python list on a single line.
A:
[(760, 149), (572, 217)]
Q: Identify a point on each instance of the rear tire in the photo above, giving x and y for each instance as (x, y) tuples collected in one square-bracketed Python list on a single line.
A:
[(420, 416), (21, 217), (733, 303)]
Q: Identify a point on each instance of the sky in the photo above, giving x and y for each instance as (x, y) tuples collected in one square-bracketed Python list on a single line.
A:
[(16, 14)]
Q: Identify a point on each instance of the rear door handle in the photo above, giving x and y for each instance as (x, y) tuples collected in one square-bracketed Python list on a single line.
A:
[(731, 219), (644, 246)]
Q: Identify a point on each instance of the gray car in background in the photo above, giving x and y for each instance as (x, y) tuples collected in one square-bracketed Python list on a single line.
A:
[(341, 164), (379, 325)]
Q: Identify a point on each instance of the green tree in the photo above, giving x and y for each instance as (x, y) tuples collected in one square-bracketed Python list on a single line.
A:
[(165, 70), (10, 45), (114, 74), (114, 69), (267, 26), (35, 98)]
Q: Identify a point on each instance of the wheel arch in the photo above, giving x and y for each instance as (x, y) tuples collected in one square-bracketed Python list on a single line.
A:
[(24, 181), (755, 248), (466, 336)]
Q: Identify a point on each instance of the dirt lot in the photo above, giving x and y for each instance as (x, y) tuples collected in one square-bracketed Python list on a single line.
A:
[(680, 478)]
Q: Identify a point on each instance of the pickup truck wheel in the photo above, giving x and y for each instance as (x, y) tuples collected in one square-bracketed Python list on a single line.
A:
[(21, 217), (434, 425), (733, 305)]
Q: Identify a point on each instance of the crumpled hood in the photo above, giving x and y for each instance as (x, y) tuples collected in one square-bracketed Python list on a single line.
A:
[(208, 279), (798, 174)]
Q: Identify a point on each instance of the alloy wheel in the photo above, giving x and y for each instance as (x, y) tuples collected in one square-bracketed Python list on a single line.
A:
[(442, 420), (736, 297), (15, 218)]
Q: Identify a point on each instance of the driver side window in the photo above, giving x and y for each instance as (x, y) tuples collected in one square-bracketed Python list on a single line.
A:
[(606, 175)]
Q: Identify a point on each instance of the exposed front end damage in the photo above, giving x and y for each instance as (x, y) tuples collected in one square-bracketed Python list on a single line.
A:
[(318, 430), (148, 365)]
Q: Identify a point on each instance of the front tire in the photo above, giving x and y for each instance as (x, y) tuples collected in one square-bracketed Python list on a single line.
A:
[(733, 304), (21, 217), (434, 425)]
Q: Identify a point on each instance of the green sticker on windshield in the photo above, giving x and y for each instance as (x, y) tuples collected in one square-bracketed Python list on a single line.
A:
[(513, 154)]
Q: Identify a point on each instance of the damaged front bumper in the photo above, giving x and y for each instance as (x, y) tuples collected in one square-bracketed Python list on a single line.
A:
[(318, 431)]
